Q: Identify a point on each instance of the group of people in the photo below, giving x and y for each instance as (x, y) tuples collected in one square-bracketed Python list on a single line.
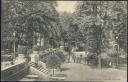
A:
[(77, 59)]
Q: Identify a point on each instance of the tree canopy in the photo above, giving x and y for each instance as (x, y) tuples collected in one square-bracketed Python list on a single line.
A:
[(28, 18)]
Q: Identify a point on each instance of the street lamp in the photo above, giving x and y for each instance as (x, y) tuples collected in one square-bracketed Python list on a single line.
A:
[(117, 52), (14, 34)]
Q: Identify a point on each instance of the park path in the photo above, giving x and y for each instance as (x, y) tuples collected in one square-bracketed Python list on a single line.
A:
[(80, 72)]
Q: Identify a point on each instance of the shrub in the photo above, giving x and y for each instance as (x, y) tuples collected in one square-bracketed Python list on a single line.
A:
[(60, 55), (6, 58), (36, 48), (92, 59), (66, 49), (42, 48), (53, 61), (30, 51), (105, 62), (22, 49)]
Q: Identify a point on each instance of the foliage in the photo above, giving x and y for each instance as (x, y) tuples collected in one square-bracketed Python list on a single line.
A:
[(30, 51), (53, 61), (22, 49), (61, 55), (120, 23), (28, 18), (6, 58), (92, 59), (36, 48), (95, 21)]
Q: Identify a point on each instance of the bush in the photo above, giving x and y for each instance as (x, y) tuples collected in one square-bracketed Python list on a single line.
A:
[(30, 51), (42, 48), (92, 59), (6, 58), (53, 61), (67, 49), (60, 55), (22, 49), (36, 48), (105, 62)]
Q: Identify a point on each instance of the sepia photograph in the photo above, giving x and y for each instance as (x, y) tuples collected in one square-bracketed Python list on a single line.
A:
[(66, 40)]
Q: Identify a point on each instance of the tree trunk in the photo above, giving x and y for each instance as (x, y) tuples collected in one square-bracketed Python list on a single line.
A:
[(40, 39), (33, 38), (69, 51), (64, 45), (53, 71), (99, 62)]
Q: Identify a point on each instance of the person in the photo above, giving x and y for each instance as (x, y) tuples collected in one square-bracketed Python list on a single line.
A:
[(73, 57), (80, 58), (77, 59), (110, 64), (85, 58)]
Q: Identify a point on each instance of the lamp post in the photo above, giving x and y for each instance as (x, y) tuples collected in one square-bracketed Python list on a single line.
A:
[(14, 34), (117, 52)]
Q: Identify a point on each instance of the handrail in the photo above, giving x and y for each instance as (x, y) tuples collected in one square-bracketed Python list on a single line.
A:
[(11, 66), (17, 72)]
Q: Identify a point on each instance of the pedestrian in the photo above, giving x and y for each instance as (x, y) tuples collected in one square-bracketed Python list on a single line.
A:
[(77, 60), (110, 64), (73, 57), (80, 58)]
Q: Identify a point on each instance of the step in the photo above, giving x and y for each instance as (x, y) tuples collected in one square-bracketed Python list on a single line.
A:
[(42, 70), (27, 79), (38, 67), (31, 76), (46, 72)]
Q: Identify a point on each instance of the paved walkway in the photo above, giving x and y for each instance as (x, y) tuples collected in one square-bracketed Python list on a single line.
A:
[(80, 72)]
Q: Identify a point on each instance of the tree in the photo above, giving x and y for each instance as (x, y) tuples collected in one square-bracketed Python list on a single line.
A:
[(28, 18), (95, 17), (61, 55), (53, 62), (69, 31), (120, 24)]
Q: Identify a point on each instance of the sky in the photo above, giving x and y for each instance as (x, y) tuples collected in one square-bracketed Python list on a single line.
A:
[(66, 6)]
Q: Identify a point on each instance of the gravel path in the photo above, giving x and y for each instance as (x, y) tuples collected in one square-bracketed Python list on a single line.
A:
[(80, 72)]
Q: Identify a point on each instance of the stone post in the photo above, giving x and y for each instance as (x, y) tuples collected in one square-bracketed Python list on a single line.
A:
[(35, 57)]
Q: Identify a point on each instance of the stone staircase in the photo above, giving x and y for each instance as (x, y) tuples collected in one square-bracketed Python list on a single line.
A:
[(39, 70), (44, 70)]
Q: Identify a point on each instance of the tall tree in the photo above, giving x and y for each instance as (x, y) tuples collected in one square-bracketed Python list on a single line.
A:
[(28, 18), (96, 17)]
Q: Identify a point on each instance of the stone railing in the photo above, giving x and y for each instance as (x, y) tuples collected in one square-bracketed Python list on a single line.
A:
[(14, 72)]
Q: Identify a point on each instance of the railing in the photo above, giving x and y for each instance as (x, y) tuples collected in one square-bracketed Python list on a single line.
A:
[(14, 72)]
